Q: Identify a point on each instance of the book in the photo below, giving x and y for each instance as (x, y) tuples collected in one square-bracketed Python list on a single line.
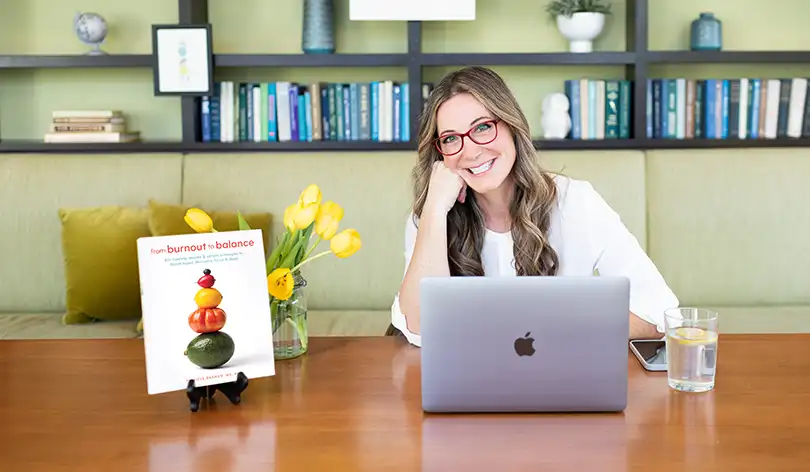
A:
[(206, 309)]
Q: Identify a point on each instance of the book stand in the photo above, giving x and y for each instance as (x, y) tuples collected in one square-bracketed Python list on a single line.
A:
[(232, 390)]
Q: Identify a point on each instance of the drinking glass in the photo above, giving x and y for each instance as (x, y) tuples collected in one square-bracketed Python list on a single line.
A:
[(691, 338)]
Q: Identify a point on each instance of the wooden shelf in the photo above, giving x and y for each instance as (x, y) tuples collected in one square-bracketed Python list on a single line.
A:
[(721, 143), (37, 147), (34, 147), (652, 144), (726, 57), (428, 60), (296, 146), (25, 146), (324, 60), (75, 61), (583, 144)]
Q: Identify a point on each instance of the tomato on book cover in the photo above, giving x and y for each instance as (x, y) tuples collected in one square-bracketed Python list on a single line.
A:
[(206, 310)]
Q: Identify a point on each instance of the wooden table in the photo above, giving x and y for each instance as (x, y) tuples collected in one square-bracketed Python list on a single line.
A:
[(353, 404)]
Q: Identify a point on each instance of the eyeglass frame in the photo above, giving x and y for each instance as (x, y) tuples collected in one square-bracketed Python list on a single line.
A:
[(494, 122)]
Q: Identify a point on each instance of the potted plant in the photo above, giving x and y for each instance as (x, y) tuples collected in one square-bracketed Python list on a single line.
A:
[(579, 21)]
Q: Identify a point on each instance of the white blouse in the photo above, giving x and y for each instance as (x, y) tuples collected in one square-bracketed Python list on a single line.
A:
[(588, 235)]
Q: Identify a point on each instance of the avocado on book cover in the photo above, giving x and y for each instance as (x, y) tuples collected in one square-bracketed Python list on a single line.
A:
[(206, 310)]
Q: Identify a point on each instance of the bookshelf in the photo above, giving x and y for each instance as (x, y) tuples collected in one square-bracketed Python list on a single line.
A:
[(636, 61)]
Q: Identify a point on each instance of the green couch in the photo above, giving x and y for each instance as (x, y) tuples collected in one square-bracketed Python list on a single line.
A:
[(726, 227)]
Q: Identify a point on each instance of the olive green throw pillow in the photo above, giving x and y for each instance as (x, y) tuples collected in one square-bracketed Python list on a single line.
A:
[(167, 219), (99, 247)]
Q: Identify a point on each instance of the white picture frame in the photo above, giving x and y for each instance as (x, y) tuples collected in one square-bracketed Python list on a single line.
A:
[(412, 10)]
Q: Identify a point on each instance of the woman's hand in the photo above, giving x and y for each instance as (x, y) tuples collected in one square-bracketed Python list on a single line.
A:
[(446, 187)]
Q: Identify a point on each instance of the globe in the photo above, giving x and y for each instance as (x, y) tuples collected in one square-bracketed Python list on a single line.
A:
[(91, 29)]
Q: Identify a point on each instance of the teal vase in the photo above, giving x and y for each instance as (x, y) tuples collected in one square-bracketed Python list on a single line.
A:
[(318, 36), (706, 33)]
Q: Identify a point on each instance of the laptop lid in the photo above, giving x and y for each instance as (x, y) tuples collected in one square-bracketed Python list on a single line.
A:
[(524, 344)]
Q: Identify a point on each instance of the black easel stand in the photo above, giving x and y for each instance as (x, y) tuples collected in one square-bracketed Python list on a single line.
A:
[(232, 390)]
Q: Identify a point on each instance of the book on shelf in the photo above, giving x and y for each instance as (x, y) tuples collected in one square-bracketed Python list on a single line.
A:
[(298, 112), (206, 310), (89, 126), (599, 109), (736, 108)]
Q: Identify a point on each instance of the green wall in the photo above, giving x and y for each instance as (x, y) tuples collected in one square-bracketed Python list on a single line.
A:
[(27, 97)]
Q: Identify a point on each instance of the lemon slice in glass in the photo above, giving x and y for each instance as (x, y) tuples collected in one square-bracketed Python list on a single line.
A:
[(693, 336)]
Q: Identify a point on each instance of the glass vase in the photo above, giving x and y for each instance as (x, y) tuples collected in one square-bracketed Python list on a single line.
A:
[(290, 337)]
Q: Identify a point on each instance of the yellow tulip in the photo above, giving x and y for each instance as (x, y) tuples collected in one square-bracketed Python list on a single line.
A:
[(332, 209), (289, 216), (345, 243), (304, 214), (326, 227), (328, 220), (199, 221), (280, 283), (310, 195)]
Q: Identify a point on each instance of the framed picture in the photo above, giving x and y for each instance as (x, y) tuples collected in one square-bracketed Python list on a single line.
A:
[(183, 60), (412, 10)]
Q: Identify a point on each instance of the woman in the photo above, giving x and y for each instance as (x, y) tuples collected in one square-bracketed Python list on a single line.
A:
[(484, 206)]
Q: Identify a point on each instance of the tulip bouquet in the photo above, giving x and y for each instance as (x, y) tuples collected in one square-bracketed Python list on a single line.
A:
[(307, 223)]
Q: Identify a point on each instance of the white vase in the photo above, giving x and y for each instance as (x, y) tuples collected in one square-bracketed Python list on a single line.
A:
[(581, 29)]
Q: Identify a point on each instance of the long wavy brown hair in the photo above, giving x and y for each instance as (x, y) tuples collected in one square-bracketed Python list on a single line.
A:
[(534, 194)]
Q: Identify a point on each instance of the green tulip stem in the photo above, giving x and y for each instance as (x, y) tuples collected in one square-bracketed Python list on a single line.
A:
[(317, 241), (321, 254)]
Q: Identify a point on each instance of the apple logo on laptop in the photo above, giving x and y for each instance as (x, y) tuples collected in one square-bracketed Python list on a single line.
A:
[(525, 346)]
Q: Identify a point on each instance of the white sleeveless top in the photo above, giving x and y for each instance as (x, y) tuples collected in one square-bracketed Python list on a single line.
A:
[(588, 235)]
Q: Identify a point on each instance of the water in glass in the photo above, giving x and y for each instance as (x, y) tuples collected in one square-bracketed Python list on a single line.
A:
[(691, 338)]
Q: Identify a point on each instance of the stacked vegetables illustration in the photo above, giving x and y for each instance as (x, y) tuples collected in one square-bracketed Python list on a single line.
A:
[(212, 347)]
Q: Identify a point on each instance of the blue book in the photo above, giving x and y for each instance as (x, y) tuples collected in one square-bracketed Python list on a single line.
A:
[(308, 114), (354, 111), (405, 133), (293, 112), (272, 127), (375, 111), (396, 113), (302, 117), (572, 91)]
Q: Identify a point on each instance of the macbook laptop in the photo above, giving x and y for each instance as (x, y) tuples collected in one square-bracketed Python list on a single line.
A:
[(524, 344)]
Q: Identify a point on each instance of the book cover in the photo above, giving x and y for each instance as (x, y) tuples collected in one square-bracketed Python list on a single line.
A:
[(206, 310)]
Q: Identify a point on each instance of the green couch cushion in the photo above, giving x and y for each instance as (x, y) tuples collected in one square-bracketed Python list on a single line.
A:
[(729, 228), (167, 219)]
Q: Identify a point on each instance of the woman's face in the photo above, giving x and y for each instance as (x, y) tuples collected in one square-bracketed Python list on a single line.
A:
[(483, 166)]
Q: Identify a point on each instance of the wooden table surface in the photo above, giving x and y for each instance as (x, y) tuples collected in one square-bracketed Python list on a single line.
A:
[(353, 404)]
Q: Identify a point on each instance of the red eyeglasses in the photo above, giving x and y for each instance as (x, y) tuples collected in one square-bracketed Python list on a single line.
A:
[(482, 133)]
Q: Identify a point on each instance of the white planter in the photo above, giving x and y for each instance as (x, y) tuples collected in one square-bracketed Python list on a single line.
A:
[(581, 29)]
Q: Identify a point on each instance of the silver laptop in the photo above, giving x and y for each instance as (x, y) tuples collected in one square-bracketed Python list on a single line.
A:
[(524, 344)]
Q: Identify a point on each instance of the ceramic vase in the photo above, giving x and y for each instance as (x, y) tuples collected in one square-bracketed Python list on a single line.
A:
[(706, 33), (580, 29), (318, 31)]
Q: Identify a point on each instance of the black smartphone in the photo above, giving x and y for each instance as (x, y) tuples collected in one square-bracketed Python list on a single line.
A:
[(651, 353)]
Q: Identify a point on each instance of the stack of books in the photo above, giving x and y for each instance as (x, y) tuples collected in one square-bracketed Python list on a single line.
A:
[(89, 126)]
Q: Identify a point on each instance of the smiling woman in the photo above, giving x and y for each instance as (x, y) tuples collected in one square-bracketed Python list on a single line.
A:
[(484, 206)]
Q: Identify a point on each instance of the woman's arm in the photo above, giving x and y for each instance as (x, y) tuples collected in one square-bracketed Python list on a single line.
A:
[(428, 259), (426, 247), (640, 329), (618, 253)]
